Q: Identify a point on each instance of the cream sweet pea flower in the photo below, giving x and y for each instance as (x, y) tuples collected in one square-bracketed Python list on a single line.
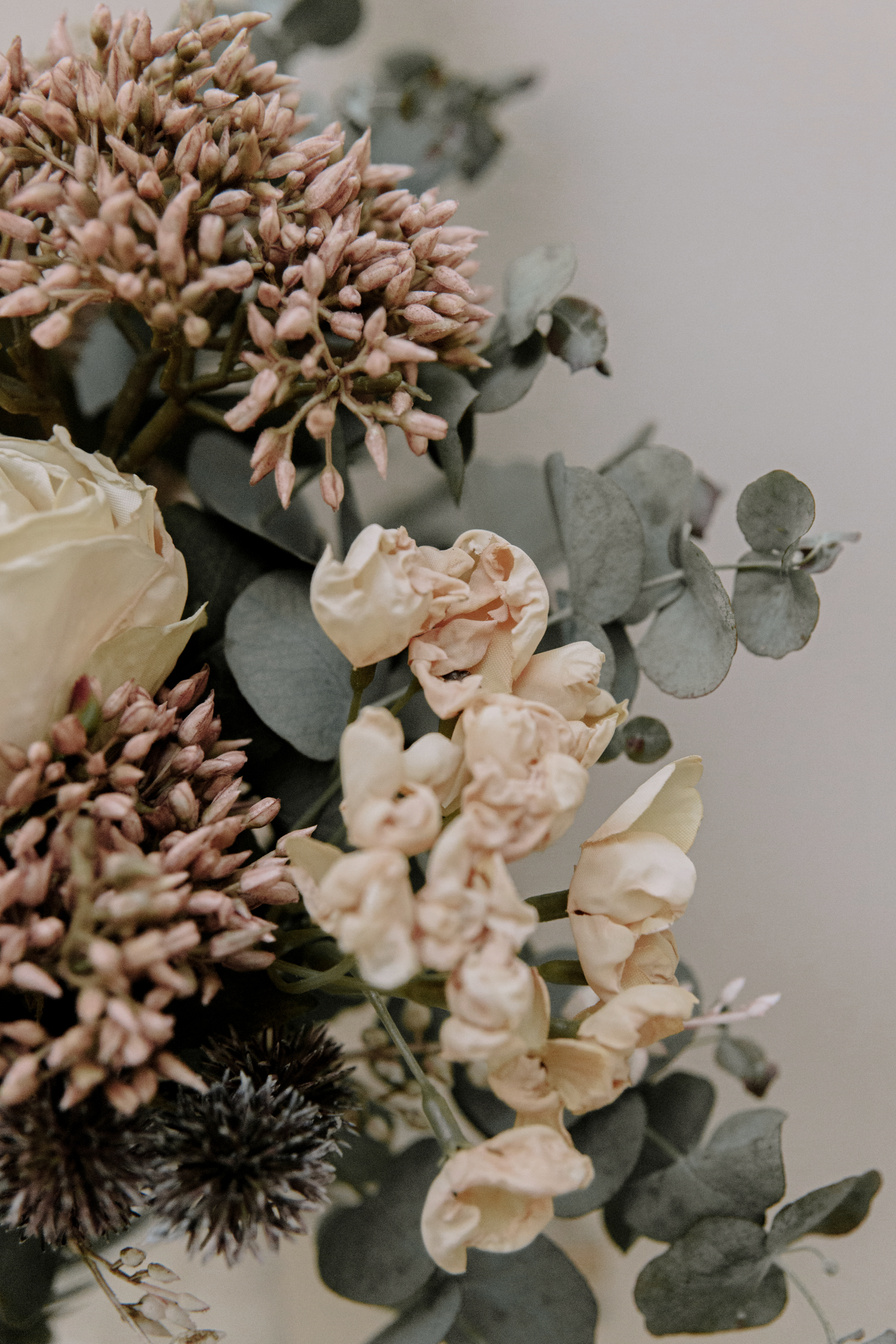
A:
[(499, 1195), (489, 995), (383, 593), (637, 1017), (365, 901), (468, 893), (634, 878), (487, 637), (90, 581), (391, 797)]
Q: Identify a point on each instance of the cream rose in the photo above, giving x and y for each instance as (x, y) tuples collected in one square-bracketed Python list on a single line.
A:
[(499, 1195), (90, 581)]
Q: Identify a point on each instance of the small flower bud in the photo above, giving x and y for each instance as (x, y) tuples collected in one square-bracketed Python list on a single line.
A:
[(332, 487)]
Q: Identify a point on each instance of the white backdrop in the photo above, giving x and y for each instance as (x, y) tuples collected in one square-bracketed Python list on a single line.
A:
[(725, 172)]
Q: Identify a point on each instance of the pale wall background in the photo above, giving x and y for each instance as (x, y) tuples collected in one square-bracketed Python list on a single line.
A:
[(724, 169)]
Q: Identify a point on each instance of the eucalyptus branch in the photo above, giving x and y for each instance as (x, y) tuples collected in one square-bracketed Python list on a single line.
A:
[(813, 1302), (437, 1110)]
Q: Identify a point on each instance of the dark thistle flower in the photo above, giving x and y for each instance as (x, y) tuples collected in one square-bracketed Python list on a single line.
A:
[(238, 1161), (307, 1060), (73, 1176)]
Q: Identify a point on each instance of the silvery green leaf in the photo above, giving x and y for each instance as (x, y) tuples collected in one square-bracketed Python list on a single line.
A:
[(535, 1294), (645, 740), (888, 1337), (832, 1210), (817, 554), (428, 1317), (612, 1138), (775, 511), (602, 538), (717, 1277), (221, 561), (452, 397), (690, 643), (361, 1161), (218, 470), (775, 610), (532, 283), (739, 1171), (745, 1059), (514, 368), (373, 1252), (482, 1108), (578, 333), (325, 23), (104, 361), (294, 678), (659, 482), (623, 679)]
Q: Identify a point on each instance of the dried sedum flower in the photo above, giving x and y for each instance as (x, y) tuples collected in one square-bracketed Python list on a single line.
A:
[(120, 889), (155, 174)]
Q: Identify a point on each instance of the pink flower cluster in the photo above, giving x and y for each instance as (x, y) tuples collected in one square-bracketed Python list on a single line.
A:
[(157, 176)]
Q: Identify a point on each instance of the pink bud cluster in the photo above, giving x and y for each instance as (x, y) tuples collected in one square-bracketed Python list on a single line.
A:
[(119, 890), (154, 175)]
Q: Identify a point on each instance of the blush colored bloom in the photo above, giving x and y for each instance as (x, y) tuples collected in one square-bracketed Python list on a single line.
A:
[(634, 877), (489, 994), (489, 634), (90, 581), (498, 1195), (384, 592)]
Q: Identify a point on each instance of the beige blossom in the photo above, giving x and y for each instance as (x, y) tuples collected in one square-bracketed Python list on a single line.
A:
[(487, 636), (382, 594), (489, 994), (637, 1017), (468, 893), (567, 680), (498, 1195), (518, 813), (387, 797), (365, 901), (634, 878), (90, 582)]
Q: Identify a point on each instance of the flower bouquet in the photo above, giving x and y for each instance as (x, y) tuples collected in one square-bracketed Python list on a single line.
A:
[(267, 763)]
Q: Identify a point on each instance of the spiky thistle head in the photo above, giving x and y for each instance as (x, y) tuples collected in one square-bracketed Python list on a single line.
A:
[(239, 1163), (69, 1177), (308, 1060)]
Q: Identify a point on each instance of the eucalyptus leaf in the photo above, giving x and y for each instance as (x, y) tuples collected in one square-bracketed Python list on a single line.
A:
[(612, 1138), (602, 538), (535, 1294), (452, 396), (27, 1271), (745, 1059), (678, 1108), (645, 740), (562, 971), (532, 283), (689, 645), (660, 483), (373, 1252), (623, 683), (888, 1337), (832, 1211), (482, 1108), (514, 368), (578, 333), (361, 1161), (428, 1317), (294, 678), (717, 1277), (775, 610), (775, 511), (222, 560), (325, 23), (218, 470), (739, 1171)]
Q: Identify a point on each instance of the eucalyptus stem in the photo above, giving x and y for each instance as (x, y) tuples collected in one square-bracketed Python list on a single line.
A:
[(436, 1109), (797, 1282), (663, 1144), (313, 812), (126, 406), (396, 706), (360, 679), (153, 435)]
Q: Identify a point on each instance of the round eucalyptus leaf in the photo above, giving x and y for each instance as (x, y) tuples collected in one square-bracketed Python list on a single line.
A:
[(776, 611), (326, 23), (373, 1252), (532, 283), (294, 678), (622, 675), (775, 511), (660, 483), (427, 1318), (482, 1108), (717, 1277), (832, 1211), (645, 740), (689, 645), (612, 1138), (578, 333), (535, 1294), (514, 368)]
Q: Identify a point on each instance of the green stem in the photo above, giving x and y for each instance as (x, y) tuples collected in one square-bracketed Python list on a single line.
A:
[(360, 679), (153, 435), (314, 811), (406, 696), (307, 981), (436, 1109), (663, 1143), (676, 574), (830, 1337), (126, 406)]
